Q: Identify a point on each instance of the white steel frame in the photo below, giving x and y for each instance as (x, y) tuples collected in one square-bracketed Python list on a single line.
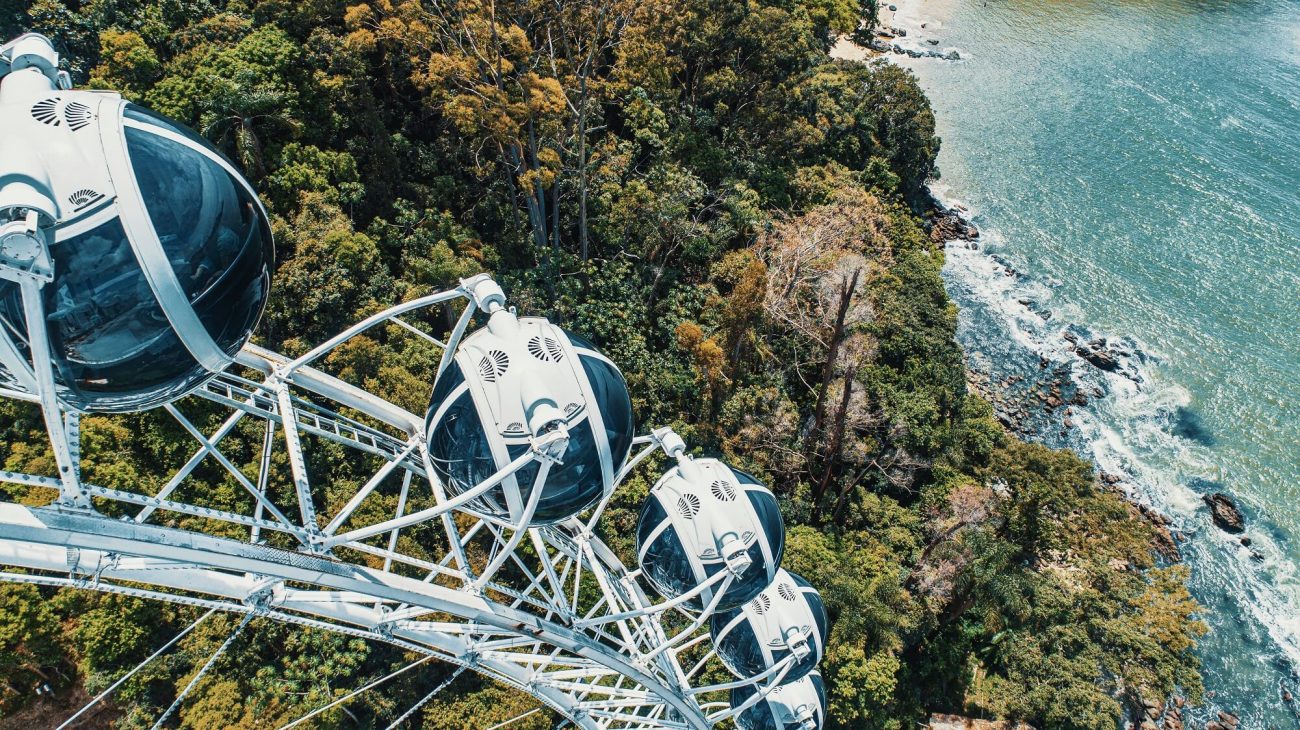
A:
[(548, 610)]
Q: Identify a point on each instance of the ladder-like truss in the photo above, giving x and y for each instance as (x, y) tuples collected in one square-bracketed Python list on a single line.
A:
[(549, 610)]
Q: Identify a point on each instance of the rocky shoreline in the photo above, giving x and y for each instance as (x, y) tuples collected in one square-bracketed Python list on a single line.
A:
[(885, 41), (1056, 392)]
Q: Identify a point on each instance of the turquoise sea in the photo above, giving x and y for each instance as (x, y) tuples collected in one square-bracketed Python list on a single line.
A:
[(1134, 168)]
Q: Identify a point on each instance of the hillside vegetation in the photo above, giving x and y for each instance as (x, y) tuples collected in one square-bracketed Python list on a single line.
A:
[(735, 219)]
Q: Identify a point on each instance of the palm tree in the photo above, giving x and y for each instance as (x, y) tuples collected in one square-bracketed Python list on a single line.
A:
[(236, 114)]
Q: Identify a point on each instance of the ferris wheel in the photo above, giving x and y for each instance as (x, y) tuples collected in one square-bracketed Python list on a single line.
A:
[(135, 262)]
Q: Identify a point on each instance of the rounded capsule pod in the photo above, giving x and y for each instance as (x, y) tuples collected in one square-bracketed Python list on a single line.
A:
[(785, 622), (159, 252), (512, 381), (798, 705), (707, 525)]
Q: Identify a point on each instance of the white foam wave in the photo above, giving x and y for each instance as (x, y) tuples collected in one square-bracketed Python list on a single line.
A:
[(1128, 432)]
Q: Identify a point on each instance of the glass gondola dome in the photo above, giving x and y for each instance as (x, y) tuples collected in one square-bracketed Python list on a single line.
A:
[(506, 383), (161, 252), (786, 618), (798, 705), (701, 517)]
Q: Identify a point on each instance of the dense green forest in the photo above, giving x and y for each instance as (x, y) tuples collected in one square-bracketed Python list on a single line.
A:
[(738, 221)]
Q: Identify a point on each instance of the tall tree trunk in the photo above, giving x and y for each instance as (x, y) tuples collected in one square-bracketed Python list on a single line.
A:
[(537, 203), (582, 167), (555, 216), (837, 441), (828, 370)]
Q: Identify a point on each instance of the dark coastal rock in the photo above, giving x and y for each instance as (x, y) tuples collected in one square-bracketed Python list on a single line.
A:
[(1151, 707), (1163, 539), (952, 56), (1099, 359), (1225, 513), (933, 41), (949, 226), (1245, 541), (1165, 544), (1229, 719)]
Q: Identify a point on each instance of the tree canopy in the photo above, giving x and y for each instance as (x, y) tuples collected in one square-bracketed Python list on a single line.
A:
[(737, 220)]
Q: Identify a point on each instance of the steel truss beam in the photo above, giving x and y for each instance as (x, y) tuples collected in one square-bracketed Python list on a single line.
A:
[(551, 611)]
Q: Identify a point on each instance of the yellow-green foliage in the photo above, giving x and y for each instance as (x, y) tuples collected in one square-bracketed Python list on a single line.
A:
[(735, 219)]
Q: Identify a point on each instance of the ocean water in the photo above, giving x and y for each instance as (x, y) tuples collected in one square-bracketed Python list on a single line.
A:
[(1134, 167)]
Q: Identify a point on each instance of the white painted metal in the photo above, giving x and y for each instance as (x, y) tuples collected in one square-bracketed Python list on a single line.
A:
[(549, 610), (566, 622)]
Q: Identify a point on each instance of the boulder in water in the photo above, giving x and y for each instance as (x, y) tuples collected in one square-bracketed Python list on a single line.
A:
[(1098, 358), (1225, 513)]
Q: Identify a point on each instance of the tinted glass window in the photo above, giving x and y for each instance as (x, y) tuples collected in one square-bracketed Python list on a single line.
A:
[(740, 650), (154, 119), (571, 486), (769, 516), (450, 379), (615, 406), (113, 348), (212, 231), (820, 686), (758, 716), (458, 447)]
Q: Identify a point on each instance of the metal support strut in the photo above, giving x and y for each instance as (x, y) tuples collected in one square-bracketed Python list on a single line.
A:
[(204, 670)]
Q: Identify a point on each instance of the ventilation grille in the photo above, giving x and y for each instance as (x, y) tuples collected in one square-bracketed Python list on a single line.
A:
[(787, 592), (78, 115), (46, 111), (83, 198), (723, 490), (546, 349), (515, 427), (571, 409), (493, 365), (761, 604), (688, 505)]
